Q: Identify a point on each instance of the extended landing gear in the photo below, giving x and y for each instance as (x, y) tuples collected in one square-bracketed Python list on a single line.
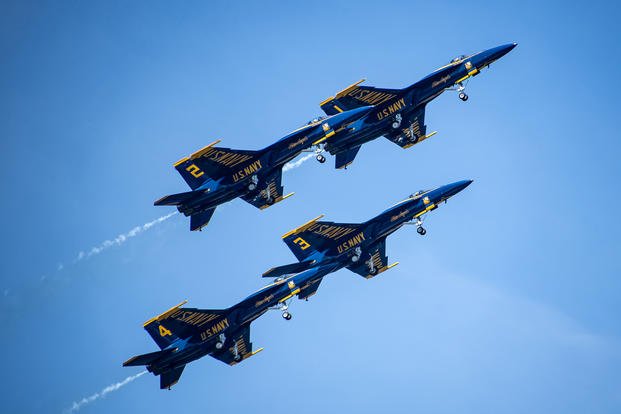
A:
[(221, 340), (269, 200), (419, 227), (286, 315), (357, 254), (236, 355), (318, 151), (397, 121), (372, 269), (462, 95), (254, 180)]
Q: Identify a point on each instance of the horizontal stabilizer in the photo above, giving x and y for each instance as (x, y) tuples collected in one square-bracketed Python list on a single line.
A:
[(289, 268), (200, 220), (148, 359), (170, 378), (356, 96), (177, 199)]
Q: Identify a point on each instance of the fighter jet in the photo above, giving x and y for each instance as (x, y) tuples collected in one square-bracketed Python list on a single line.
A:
[(322, 247), (399, 114), (217, 175)]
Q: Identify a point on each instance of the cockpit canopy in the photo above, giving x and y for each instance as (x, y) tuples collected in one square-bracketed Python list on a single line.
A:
[(419, 193), (458, 59), (315, 120)]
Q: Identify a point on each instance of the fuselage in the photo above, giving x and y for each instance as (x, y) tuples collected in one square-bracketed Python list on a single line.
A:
[(325, 262), (409, 100), (267, 162)]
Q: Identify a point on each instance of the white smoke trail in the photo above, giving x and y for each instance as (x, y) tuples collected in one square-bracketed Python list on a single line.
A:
[(295, 164), (120, 239), (110, 388)]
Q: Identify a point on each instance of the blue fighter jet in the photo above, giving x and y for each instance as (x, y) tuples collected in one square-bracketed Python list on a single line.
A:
[(322, 247), (399, 114), (217, 175)]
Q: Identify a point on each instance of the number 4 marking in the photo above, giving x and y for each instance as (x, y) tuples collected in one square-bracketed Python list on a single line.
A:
[(164, 331)]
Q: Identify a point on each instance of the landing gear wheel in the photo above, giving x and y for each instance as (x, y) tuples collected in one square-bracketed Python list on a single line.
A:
[(354, 259), (421, 231), (463, 96), (237, 358), (286, 315), (219, 345), (252, 186), (321, 159), (373, 271), (397, 122), (270, 201)]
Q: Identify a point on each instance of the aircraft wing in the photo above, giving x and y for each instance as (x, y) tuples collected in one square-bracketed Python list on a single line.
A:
[(271, 185), (356, 96), (241, 340), (377, 255), (412, 131)]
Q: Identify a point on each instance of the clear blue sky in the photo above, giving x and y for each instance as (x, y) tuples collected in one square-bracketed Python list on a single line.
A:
[(510, 304)]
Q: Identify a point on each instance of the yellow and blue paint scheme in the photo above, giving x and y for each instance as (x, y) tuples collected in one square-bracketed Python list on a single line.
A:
[(186, 334), (399, 114), (217, 175)]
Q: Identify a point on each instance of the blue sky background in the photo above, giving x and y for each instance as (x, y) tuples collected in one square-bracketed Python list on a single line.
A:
[(510, 304)]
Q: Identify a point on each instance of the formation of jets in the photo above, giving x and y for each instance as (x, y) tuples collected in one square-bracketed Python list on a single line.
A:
[(216, 175)]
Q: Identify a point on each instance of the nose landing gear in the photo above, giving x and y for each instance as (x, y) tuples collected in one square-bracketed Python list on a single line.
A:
[(462, 95), (321, 158)]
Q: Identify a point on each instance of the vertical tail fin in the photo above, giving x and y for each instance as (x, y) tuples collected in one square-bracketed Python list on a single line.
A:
[(162, 336), (316, 236)]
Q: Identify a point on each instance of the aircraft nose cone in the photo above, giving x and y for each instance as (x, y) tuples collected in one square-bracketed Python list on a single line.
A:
[(452, 189), (491, 55)]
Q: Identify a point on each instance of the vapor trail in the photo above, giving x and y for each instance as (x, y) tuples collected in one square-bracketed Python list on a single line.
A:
[(110, 388), (295, 164), (120, 239)]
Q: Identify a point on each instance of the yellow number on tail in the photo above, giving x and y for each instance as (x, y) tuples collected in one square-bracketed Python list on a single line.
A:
[(164, 331), (194, 170), (302, 243)]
